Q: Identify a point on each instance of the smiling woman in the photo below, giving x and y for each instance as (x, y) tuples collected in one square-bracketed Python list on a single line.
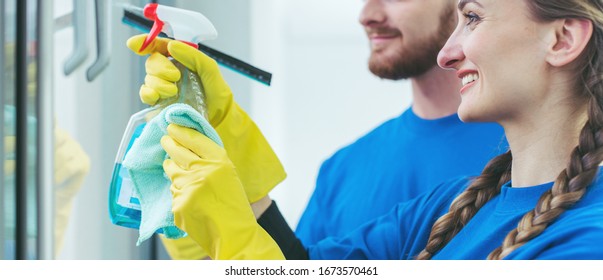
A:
[(500, 52), (526, 81)]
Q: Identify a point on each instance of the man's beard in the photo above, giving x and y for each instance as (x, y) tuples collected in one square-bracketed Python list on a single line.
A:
[(416, 59)]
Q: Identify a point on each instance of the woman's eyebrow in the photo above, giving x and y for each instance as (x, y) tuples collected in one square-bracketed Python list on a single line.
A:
[(462, 3)]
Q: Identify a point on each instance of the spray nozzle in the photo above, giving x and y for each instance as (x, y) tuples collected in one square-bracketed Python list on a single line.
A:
[(183, 25), (150, 12)]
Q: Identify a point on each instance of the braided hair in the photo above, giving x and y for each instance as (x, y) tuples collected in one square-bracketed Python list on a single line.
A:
[(571, 184)]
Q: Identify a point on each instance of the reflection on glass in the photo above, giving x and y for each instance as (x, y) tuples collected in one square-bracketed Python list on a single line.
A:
[(8, 210), (32, 53), (71, 163), (9, 94)]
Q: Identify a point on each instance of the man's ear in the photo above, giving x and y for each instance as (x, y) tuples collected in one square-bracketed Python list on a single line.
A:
[(571, 37)]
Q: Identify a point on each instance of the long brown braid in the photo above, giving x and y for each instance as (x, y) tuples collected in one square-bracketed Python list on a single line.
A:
[(571, 184), (496, 173)]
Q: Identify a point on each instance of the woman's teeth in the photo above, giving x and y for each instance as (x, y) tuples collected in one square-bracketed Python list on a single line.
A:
[(469, 78)]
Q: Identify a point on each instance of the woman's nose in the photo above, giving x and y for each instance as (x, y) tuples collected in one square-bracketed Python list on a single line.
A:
[(451, 54)]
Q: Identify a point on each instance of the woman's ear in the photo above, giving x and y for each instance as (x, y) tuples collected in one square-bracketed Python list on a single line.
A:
[(571, 37)]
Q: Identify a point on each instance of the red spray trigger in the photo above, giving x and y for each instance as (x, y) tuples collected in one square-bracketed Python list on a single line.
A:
[(150, 12)]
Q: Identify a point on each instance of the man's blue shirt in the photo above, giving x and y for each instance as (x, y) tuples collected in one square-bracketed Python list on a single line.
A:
[(399, 160)]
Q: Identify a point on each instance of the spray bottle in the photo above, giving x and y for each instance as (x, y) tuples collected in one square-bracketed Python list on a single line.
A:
[(183, 25)]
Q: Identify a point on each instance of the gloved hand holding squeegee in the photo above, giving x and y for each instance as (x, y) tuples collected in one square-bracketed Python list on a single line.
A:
[(257, 165), (211, 187)]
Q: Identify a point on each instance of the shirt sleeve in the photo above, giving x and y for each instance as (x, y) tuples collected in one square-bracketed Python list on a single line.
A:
[(400, 234), (579, 250), (272, 221), (376, 240), (575, 238)]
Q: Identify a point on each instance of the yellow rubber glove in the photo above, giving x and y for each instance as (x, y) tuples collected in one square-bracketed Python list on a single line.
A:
[(184, 248), (258, 166), (209, 202), (71, 165), (9, 149)]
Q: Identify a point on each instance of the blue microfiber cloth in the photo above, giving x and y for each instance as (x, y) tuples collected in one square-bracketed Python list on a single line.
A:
[(144, 162)]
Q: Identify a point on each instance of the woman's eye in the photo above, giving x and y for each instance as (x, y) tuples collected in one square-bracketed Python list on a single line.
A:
[(472, 18)]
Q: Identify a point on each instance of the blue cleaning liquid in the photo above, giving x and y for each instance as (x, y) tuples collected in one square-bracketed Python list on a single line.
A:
[(124, 206), (123, 212)]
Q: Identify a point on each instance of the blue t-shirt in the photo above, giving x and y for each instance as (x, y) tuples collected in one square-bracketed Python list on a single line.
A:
[(399, 160), (403, 232)]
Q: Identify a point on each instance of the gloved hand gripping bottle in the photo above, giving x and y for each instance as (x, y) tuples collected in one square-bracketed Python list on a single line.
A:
[(191, 28)]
